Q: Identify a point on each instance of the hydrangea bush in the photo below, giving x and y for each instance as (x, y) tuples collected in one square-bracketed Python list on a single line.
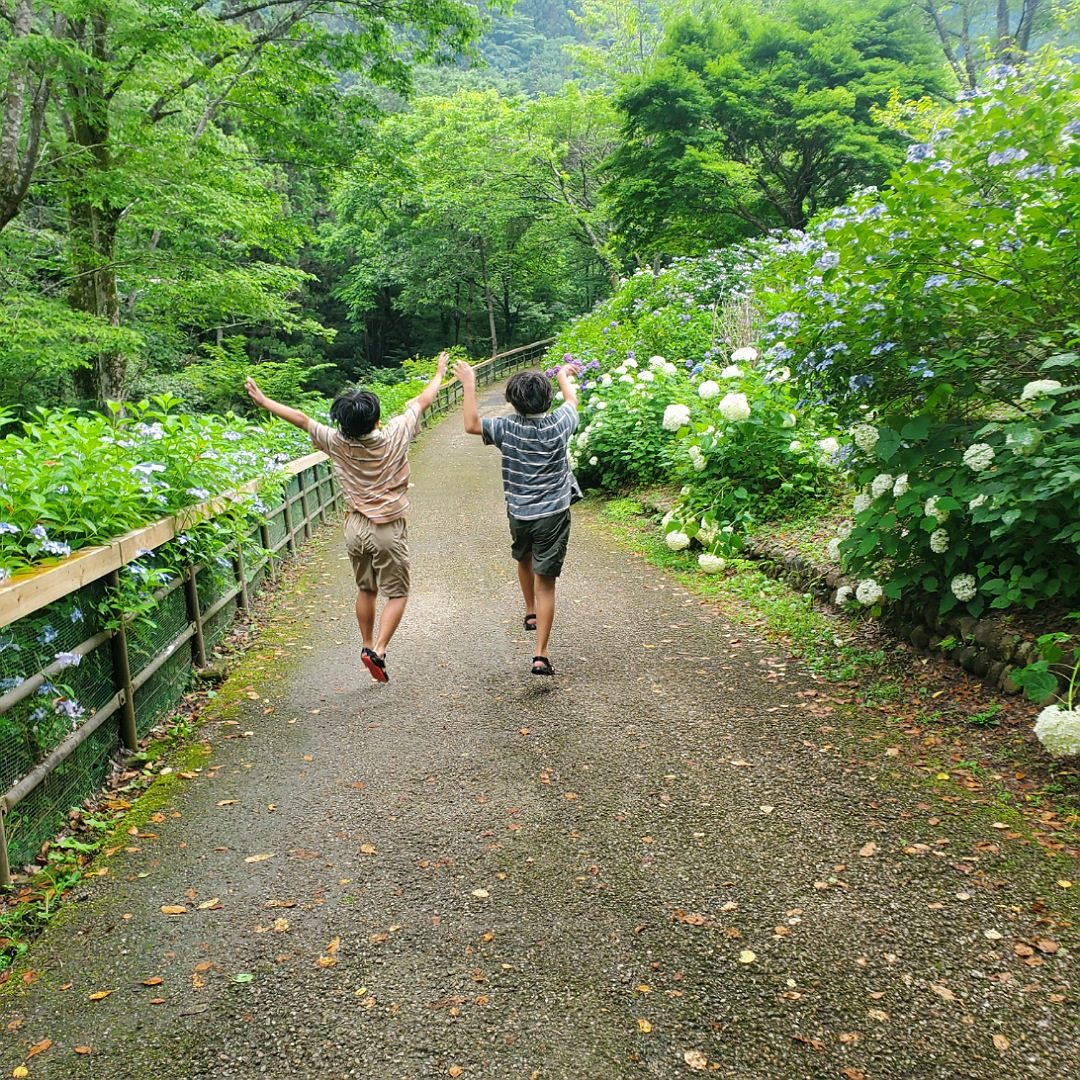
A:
[(72, 480)]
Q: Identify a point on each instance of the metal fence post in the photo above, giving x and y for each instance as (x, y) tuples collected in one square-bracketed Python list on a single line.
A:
[(129, 734)]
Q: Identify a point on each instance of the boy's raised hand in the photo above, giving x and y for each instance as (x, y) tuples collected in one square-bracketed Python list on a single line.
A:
[(464, 373), (252, 387)]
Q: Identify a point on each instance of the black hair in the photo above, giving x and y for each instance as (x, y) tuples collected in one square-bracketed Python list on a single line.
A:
[(530, 392), (356, 412)]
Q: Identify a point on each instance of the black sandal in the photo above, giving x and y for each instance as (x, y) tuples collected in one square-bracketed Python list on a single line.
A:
[(529, 622), (542, 666), (375, 664)]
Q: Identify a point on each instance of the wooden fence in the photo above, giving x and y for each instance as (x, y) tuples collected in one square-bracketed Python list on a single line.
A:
[(133, 674)]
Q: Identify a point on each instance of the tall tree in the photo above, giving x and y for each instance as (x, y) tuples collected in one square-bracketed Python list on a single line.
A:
[(748, 121), (125, 74)]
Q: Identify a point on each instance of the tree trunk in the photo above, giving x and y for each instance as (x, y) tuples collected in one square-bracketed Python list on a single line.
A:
[(1003, 49), (94, 218), (487, 296), (1025, 25), (16, 169)]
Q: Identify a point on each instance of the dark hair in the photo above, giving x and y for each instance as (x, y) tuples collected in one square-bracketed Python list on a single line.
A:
[(356, 412), (529, 392)]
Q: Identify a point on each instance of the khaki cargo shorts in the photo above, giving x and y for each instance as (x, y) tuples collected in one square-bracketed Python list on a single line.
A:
[(380, 554)]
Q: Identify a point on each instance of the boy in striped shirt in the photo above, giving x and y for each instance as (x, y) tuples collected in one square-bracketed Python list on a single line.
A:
[(371, 463), (537, 483)]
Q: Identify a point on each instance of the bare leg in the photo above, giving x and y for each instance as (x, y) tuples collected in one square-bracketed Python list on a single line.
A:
[(365, 616), (526, 581), (389, 620), (545, 611)]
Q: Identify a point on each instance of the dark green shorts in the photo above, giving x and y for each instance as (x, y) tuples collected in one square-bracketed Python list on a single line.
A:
[(545, 537)]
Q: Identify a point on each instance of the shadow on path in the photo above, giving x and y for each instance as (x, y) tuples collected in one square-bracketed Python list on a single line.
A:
[(660, 862)]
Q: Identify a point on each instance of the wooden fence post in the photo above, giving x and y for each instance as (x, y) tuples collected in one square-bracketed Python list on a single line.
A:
[(191, 595), (129, 735)]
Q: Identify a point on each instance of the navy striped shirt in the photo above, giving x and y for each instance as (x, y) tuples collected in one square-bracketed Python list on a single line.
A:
[(535, 465)]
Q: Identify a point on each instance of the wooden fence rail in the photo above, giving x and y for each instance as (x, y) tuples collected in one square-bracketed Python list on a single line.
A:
[(124, 687)]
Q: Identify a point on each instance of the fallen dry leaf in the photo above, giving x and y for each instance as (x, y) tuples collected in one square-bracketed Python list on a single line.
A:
[(100, 995), (208, 905), (877, 1014), (157, 980), (455, 1071), (644, 1026), (40, 1047), (1001, 1042), (83, 1050), (942, 992), (173, 909), (868, 849), (258, 858), (696, 1060), (368, 849), (747, 956)]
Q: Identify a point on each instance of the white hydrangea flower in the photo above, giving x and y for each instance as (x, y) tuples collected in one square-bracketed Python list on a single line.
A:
[(939, 541), (930, 509), (601, 405), (670, 368), (868, 592), (979, 457), (733, 371), (677, 541), (676, 416), (861, 503), (628, 378), (707, 533), (1058, 729), (631, 363), (583, 439), (833, 549), (685, 489), (976, 502), (901, 487), (781, 375), (697, 458), (709, 389), (794, 446), (593, 460), (843, 595), (844, 531), (829, 445), (1022, 442), (1038, 387), (734, 407), (656, 361), (620, 370), (745, 355), (865, 436), (646, 376), (881, 483), (605, 380), (963, 587), (711, 564)]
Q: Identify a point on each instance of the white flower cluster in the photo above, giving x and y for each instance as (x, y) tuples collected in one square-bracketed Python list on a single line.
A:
[(709, 389), (829, 445), (862, 502), (963, 587), (707, 533), (1038, 387), (833, 549), (697, 458), (733, 371), (734, 407), (976, 502), (930, 509), (901, 487), (676, 416), (939, 541), (745, 355), (979, 457), (789, 420), (881, 483), (1058, 730), (843, 595), (865, 436), (677, 541), (868, 592), (711, 564)]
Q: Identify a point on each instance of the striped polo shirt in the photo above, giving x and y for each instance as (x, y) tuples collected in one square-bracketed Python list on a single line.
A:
[(535, 465), (373, 471)]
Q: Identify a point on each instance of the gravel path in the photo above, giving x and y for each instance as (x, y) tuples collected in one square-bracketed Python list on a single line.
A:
[(675, 857)]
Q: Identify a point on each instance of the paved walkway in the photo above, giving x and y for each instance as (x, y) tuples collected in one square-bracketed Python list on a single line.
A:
[(669, 859)]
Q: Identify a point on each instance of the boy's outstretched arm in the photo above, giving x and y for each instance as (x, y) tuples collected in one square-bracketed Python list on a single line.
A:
[(426, 396), (566, 386), (285, 412), (467, 377)]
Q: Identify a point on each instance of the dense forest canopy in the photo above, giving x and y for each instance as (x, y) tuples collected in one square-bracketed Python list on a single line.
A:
[(324, 189)]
